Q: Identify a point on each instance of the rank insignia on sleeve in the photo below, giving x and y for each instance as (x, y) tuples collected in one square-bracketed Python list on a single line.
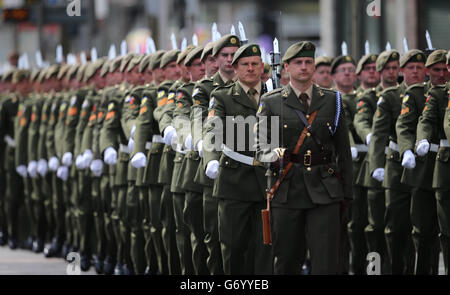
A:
[(405, 98), (161, 93), (128, 99), (428, 98), (73, 101), (110, 115), (73, 111), (179, 105), (196, 90), (179, 95), (211, 113), (144, 100), (380, 100), (360, 104), (260, 108), (142, 110), (111, 106), (85, 104), (62, 108), (405, 111), (211, 102), (171, 95)]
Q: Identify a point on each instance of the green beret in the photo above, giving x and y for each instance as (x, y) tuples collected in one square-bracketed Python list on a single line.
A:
[(299, 49), (62, 71), (92, 68), (168, 57), (323, 61), (267, 68), (81, 72), (35, 74), (342, 59), (145, 62), (72, 71), (135, 61), (226, 41), (20, 75), (105, 68), (414, 55), (207, 50), (246, 51), (196, 53), (184, 53), (385, 57), (155, 62), (8, 73), (435, 57), (42, 75), (125, 60), (366, 59), (52, 70), (115, 63)]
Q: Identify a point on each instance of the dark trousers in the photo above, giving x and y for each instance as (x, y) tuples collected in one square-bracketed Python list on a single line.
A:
[(211, 227), (241, 239), (443, 213), (182, 235), (151, 258), (155, 239)]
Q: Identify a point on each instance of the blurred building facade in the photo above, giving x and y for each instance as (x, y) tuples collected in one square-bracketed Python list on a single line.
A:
[(325, 22)]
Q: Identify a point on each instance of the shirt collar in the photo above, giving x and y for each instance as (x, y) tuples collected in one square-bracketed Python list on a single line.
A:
[(246, 88), (298, 92)]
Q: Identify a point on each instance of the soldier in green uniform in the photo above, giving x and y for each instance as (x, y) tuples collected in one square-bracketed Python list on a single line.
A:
[(419, 172), (193, 206), (388, 167), (321, 172), (430, 121), (322, 74), (229, 160), (221, 53), (343, 73), (388, 67), (3, 224), (147, 131)]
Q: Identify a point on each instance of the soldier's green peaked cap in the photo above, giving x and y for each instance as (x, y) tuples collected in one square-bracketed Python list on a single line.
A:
[(145, 62), (169, 56), (207, 50), (185, 53), (20, 75), (105, 68), (226, 41), (342, 59), (246, 51), (135, 61), (414, 55), (435, 57), (52, 70), (323, 61), (386, 57), (125, 60), (299, 49), (196, 53), (115, 63), (366, 59), (63, 71), (155, 62), (8, 73), (92, 68)]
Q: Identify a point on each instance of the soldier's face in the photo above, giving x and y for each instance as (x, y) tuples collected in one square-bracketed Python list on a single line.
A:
[(185, 75), (438, 73), (265, 76), (211, 65), (369, 75), (344, 75), (301, 69), (197, 69), (413, 72), (147, 75), (322, 76), (159, 75), (172, 71), (389, 74), (249, 70), (225, 58)]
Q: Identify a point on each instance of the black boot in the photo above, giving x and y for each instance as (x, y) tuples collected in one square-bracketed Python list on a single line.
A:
[(85, 262), (3, 238), (128, 269), (38, 245), (118, 271), (54, 249), (108, 265), (98, 264), (12, 243)]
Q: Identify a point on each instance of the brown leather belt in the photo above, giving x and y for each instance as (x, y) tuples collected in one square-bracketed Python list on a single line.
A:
[(306, 159)]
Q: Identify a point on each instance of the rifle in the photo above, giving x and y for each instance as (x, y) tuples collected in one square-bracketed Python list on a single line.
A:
[(275, 63)]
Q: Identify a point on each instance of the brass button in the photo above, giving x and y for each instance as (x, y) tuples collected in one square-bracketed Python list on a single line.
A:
[(308, 152), (307, 116), (331, 171), (226, 163), (308, 134), (285, 126), (309, 168), (392, 156), (274, 174)]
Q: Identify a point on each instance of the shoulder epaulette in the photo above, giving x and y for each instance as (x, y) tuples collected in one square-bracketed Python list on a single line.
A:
[(418, 85), (272, 92)]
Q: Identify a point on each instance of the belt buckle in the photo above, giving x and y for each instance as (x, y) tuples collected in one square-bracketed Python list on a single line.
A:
[(307, 160)]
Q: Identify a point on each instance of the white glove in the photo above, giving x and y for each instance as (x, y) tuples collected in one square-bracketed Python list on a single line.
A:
[(188, 142), (22, 170), (32, 169), (200, 148), (169, 132), (423, 147), (212, 169), (63, 173), (42, 167), (110, 157), (67, 159), (79, 162), (139, 160), (378, 174), (133, 130), (97, 167), (130, 144), (409, 160), (87, 158), (368, 138), (354, 153), (53, 163), (174, 142)]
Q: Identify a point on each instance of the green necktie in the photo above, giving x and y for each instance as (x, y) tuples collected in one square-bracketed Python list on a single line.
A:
[(252, 93)]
